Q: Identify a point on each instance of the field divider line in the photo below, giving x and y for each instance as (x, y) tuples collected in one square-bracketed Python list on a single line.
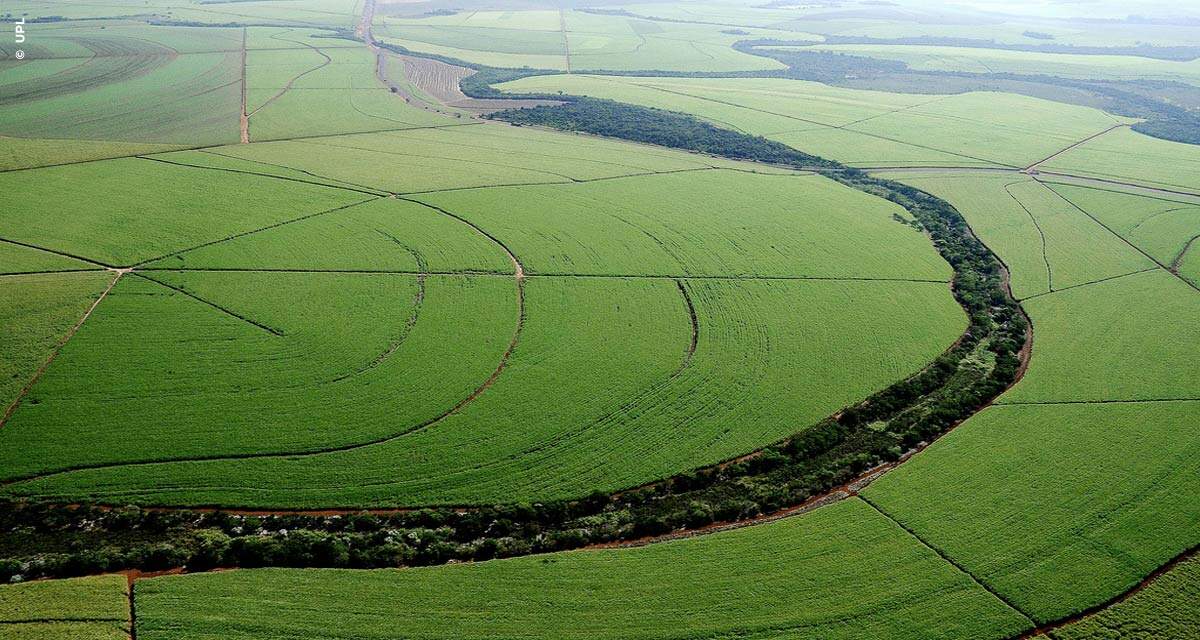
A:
[(229, 312), (1026, 403), (362, 188), (55, 620), (62, 342), (1086, 140), (65, 254), (1085, 284), (531, 276), (1041, 630), (17, 274), (378, 192), (1037, 225), (944, 556), (258, 230), (1109, 229)]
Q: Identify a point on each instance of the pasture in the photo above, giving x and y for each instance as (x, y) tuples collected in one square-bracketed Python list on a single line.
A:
[(576, 40)]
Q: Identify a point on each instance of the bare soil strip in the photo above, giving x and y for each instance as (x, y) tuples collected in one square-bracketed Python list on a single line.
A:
[(58, 347)]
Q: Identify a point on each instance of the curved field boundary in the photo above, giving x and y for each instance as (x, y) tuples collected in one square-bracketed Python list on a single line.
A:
[(519, 277)]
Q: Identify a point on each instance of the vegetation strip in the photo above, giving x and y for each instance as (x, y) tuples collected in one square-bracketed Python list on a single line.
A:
[(806, 467)]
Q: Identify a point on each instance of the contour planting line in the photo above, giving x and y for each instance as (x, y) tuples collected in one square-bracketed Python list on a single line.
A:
[(409, 323)]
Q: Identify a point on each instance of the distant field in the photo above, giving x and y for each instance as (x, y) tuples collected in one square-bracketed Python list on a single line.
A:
[(859, 128), (574, 40), (1124, 155), (160, 208), (129, 89), (841, 572), (95, 608), (1110, 67)]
